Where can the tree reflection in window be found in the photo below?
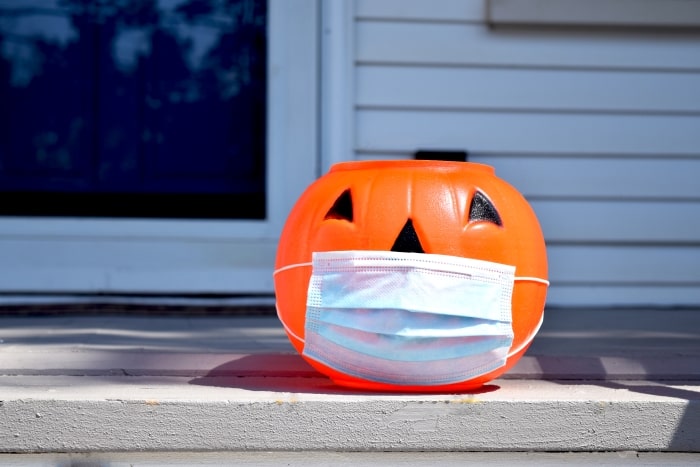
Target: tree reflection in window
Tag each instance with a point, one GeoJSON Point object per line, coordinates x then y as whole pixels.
{"type": "Point", "coordinates": [133, 95]}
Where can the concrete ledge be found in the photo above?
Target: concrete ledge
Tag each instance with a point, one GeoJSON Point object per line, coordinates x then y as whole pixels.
{"type": "Point", "coordinates": [60, 413]}
{"type": "Point", "coordinates": [618, 380]}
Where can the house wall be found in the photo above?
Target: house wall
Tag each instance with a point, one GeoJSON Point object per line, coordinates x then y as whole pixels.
{"type": "Point", "coordinates": [598, 127]}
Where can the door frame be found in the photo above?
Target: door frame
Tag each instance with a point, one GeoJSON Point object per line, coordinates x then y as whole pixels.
{"type": "Point", "coordinates": [145, 256]}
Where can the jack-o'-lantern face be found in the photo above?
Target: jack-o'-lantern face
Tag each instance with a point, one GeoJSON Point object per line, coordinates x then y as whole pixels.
{"type": "Point", "coordinates": [339, 225]}
{"type": "Point", "coordinates": [447, 208]}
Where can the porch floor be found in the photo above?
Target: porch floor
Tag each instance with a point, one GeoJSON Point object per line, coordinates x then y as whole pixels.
{"type": "Point", "coordinates": [593, 380]}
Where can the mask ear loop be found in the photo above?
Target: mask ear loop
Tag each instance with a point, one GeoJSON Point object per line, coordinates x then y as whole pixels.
{"type": "Point", "coordinates": [532, 335]}
{"type": "Point", "coordinates": [274, 273]}
{"type": "Point", "coordinates": [532, 279]}
{"type": "Point", "coordinates": [290, 266]}
{"type": "Point", "coordinates": [529, 339]}
{"type": "Point", "coordinates": [286, 328]}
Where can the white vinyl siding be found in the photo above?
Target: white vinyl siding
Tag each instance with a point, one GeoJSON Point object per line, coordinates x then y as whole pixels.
{"type": "Point", "coordinates": [598, 128]}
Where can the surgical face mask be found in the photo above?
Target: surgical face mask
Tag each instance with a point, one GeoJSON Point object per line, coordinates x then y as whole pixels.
{"type": "Point", "coordinates": [409, 318]}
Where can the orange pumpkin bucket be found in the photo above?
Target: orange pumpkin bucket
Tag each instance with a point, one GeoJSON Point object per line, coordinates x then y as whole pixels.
{"type": "Point", "coordinates": [411, 275]}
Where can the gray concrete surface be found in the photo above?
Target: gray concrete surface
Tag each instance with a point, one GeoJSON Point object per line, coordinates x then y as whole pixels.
{"type": "Point", "coordinates": [613, 380]}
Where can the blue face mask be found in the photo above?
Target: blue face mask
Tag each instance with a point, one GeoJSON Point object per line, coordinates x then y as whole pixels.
{"type": "Point", "coordinates": [408, 318]}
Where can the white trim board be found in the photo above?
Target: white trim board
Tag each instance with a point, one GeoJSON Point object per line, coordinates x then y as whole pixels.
{"type": "Point", "coordinates": [337, 82]}
{"type": "Point", "coordinates": [638, 13]}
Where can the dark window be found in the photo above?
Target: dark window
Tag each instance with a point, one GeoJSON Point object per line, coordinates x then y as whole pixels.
{"type": "Point", "coordinates": [133, 108]}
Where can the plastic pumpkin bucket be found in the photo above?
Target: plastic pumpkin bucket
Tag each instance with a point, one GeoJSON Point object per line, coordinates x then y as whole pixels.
{"type": "Point", "coordinates": [452, 208]}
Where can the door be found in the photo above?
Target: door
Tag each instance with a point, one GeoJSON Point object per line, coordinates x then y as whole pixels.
{"type": "Point", "coordinates": [152, 146]}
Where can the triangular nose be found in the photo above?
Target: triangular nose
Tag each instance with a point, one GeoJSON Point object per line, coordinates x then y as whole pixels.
{"type": "Point", "coordinates": [408, 241]}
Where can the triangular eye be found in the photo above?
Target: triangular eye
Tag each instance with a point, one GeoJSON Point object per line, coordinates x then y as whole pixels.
{"type": "Point", "coordinates": [342, 208]}
{"type": "Point", "coordinates": [482, 209]}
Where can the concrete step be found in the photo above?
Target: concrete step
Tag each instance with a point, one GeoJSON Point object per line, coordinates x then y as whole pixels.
{"type": "Point", "coordinates": [594, 380]}
{"type": "Point", "coordinates": [355, 459]}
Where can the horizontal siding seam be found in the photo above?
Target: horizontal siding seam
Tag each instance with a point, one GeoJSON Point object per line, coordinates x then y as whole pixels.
{"type": "Point", "coordinates": [608, 283]}
{"type": "Point", "coordinates": [616, 199]}
{"type": "Point", "coordinates": [369, 63]}
{"type": "Point", "coordinates": [366, 152]}
{"type": "Point", "coordinates": [529, 110]}
{"type": "Point", "coordinates": [622, 243]}
{"type": "Point", "coordinates": [360, 18]}
{"type": "Point", "coordinates": [530, 66]}
{"type": "Point", "coordinates": [399, 152]}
